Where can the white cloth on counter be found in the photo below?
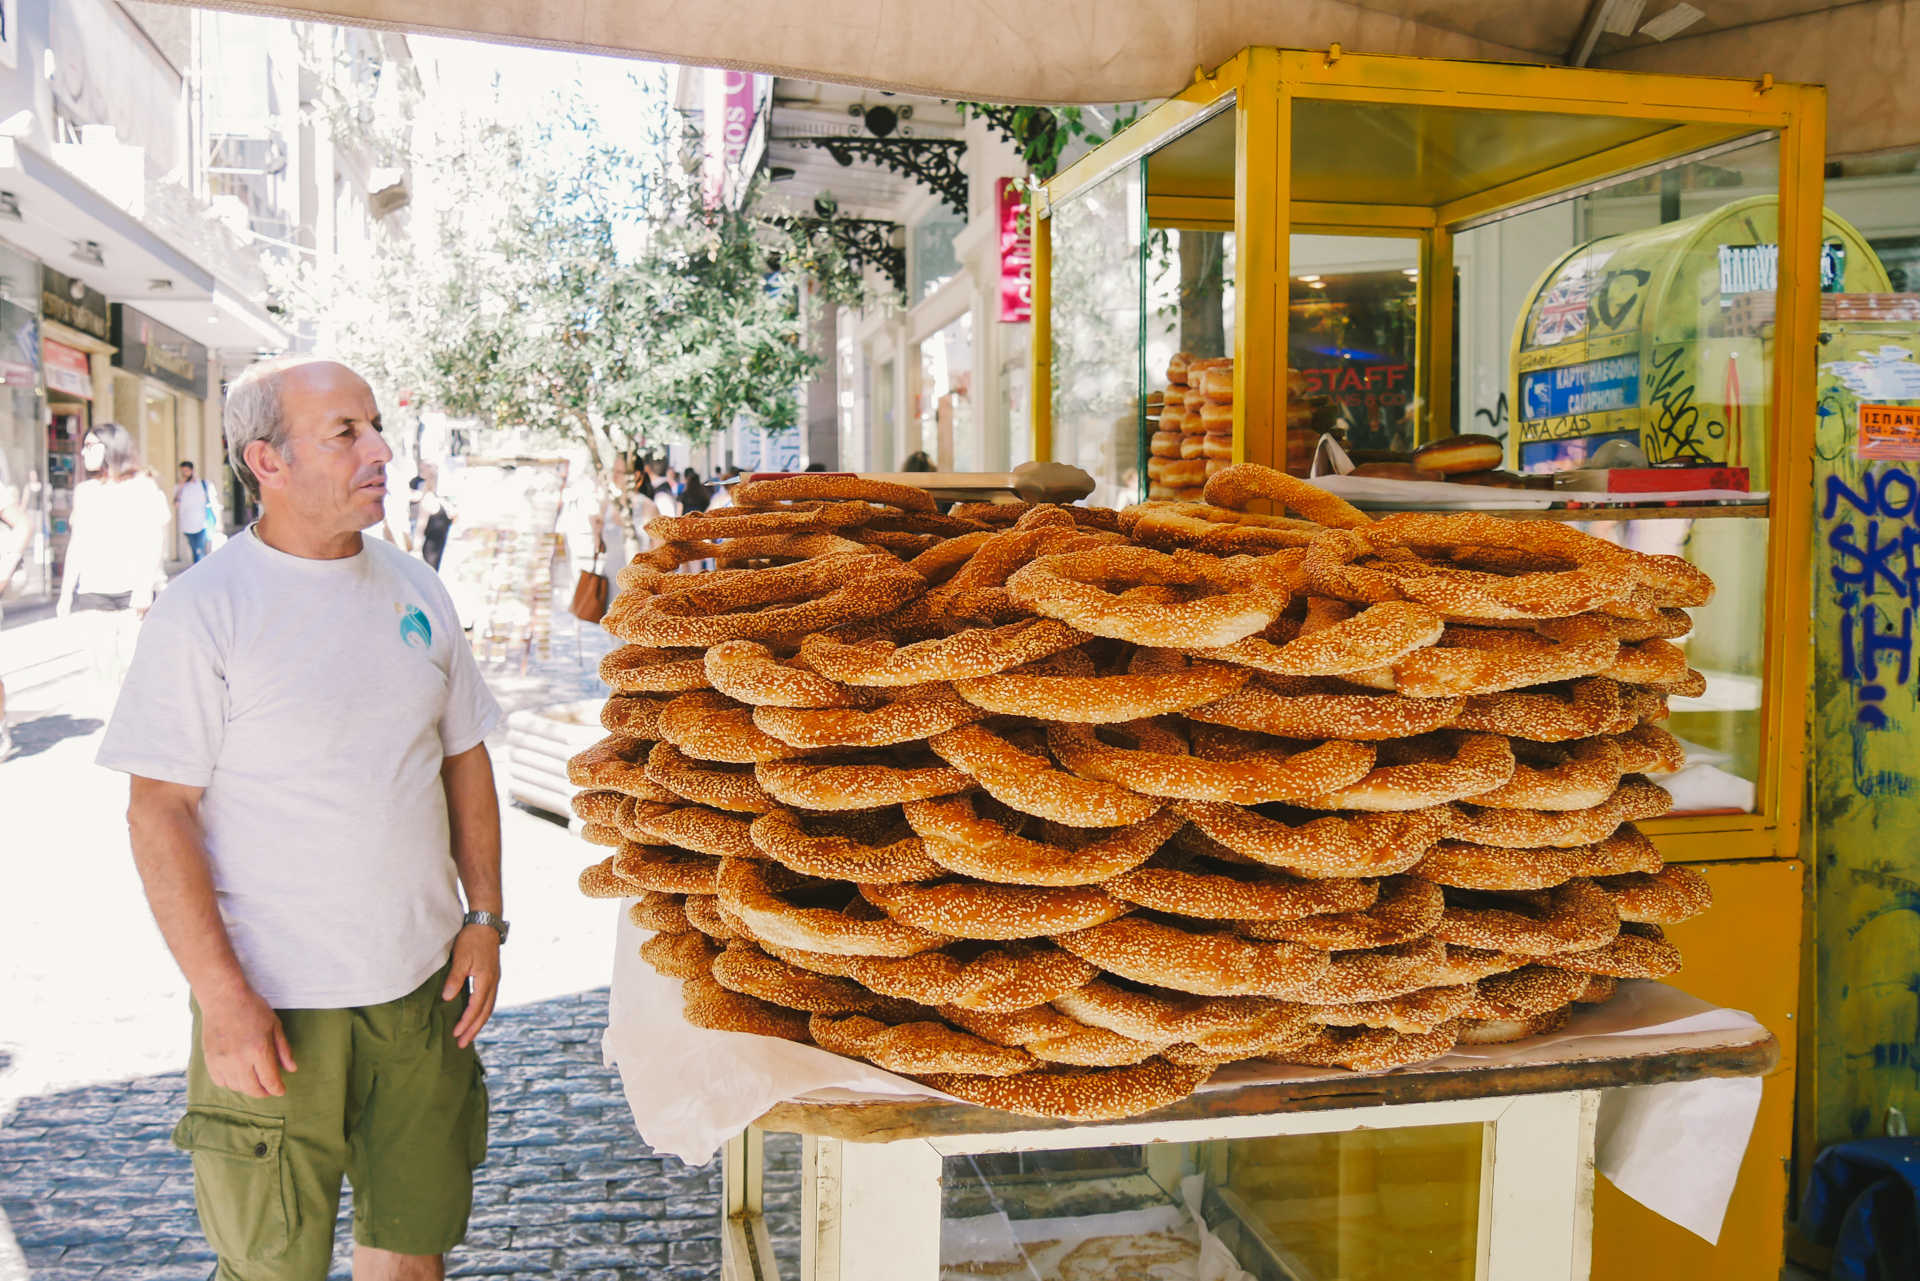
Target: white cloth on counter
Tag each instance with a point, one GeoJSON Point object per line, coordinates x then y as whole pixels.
{"type": "Point", "coordinates": [691, 1089]}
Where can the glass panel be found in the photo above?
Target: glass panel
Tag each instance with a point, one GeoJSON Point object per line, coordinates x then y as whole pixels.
{"type": "Point", "coordinates": [1368, 1205]}
{"type": "Point", "coordinates": [1352, 336]}
{"type": "Point", "coordinates": [33, 530]}
{"type": "Point", "coordinates": [1097, 240]}
{"type": "Point", "coordinates": [934, 262]}
{"type": "Point", "coordinates": [1629, 335]}
{"type": "Point", "coordinates": [1190, 314]}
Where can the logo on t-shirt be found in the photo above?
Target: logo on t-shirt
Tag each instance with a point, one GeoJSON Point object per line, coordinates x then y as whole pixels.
{"type": "Point", "coordinates": [415, 630]}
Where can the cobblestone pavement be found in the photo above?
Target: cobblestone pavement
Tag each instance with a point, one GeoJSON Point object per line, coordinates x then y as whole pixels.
{"type": "Point", "coordinates": [96, 1192]}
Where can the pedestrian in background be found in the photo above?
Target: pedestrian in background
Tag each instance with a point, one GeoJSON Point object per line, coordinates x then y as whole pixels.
{"type": "Point", "coordinates": [193, 510]}
{"type": "Point", "coordinates": [436, 518]}
{"type": "Point", "coordinates": [694, 495]}
{"type": "Point", "coordinates": [918, 461]}
{"type": "Point", "coordinates": [117, 548]}
{"type": "Point", "coordinates": [305, 727]}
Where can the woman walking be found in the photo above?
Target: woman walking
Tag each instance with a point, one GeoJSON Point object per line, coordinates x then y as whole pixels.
{"type": "Point", "coordinates": [117, 552]}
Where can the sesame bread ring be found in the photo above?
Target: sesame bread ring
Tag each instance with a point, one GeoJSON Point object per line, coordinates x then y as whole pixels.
{"type": "Point", "coordinates": [654, 571]}
{"type": "Point", "coordinates": [1166, 1017]}
{"type": "Point", "coordinates": [827, 591]}
{"type": "Point", "coordinates": [1575, 917]}
{"type": "Point", "coordinates": [1589, 707]}
{"type": "Point", "coordinates": [743, 967]}
{"type": "Point", "coordinates": [695, 828]}
{"type": "Point", "coordinates": [599, 880]}
{"type": "Point", "coordinates": [741, 522]}
{"type": "Point", "coordinates": [1229, 598]}
{"type": "Point", "coordinates": [636, 668]}
{"type": "Point", "coordinates": [1418, 773]}
{"type": "Point", "coordinates": [902, 544]}
{"type": "Point", "coordinates": [1600, 989]}
{"type": "Point", "coordinates": [1260, 895]}
{"type": "Point", "coordinates": [1336, 846]}
{"type": "Point", "coordinates": [1204, 962]}
{"type": "Point", "coordinates": [808, 487]}
{"type": "Point", "coordinates": [1158, 767]}
{"type": "Point", "coordinates": [1407, 909]}
{"type": "Point", "coordinates": [1650, 662]}
{"type": "Point", "coordinates": [1047, 1034]}
{"type": "Point", "coordinates": [723, 786]}
{"type": "Point", "coordinates": [599, 807]}
{"type": "Point", "coordinates": [1506, 1031]}
{"type": "Point", "coordinates": [1385, 973]}
{"type": "Point", "coordinates": [1365, 1049]}
{"type": "Point", "coordinates": [664, 869]}
{"type": "Point", "coordinates": [1069, 1094]}
{"type": "Point", "coordinates": [978, 652]}
{"type": "Point", "coordinates": [704, 1003]}
{"type": "Point", "coordinates": [1603, 572]}
{"type": "Point", "coordinates": [745, 888]}
{"type": "Point", "coordinates": [1633, 955]}
{"type": "Point", "coordinates": [1490, 660]}
{"type": "Point", "coordinates": [940, 562]}
{"type": "Point", "coordinates": [917, 1048]}
{"type": "Point", "coordinates": [874, 846]}
{"type": "Point", "coordinates": [706, 725]}
{"type": "Point", "coordinates": [967, 974]}
{"type": "Point", "coordinates": [634, 716]}
{"type": "Point", "coordinates": [909, 715]}
{"type": "Point", "coordinates": [1634, 799]}
{"type": "Point", "coordinates": [1558, 776]}
{"type": "Point", "coordinates": [1157, 681]}
{"type": "Point", "coordinates": [857, 782]}
{"type": "Point", "coordinates": [619, 764]}
{"type": "Point", "coordinates": [634, 818]}
{"type": "Point", "coordinates": [1523, 993]}
{"type": "Point", "coordinates": [1271, 705]}
{"type": "Point", "coordinates": [1648, 749]}
{"type": "Point", "coordinates": [661, 913]}
{"type": "Point", "coordinates": [975, 910]}
{"type": "Point", "coordinates": [1418, 1011]}
{"type": "Point", "coordinates": [748, 671]}
{"type": "Point", "coordinates": [1233, 1049]}
{"type": "Point", "coordinates": [1217, 531]}
{"type": "Point", "coordinates": [985, 842]}
{"type": "Point", "coordinates": [601, 834]}
{"type": "Point", "coordinates": [1029, 782]}
{"type": "Point", "coordinates": [1237, 486]}
{"type": "Point", "coordinates": [1491, 867]}
{"type": "Point", "coordinates": [681, 956]}
{"type": "Point", "coordinates": [1376, 637]}
{"type": "Point", "coordinates": [703, 914]}
{"type": "Point", "coordinates": [1665, 897]}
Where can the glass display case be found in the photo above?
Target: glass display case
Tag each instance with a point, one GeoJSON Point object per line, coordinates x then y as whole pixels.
{"type": "Point", "coordinates": [1598, 269]}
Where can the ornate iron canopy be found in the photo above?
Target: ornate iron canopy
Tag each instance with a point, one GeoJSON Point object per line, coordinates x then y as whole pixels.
{"type": "Point", "coordinates": [933, 161]}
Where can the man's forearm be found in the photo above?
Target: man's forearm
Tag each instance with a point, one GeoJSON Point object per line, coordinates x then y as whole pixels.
{"type": "Point", "coordinates": [170, 852]}
{"type": "Point", "coordinates": [473, 815]}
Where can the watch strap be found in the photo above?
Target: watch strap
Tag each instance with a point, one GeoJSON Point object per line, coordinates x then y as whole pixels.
{"type": "Point", "coordinates": [498, 922]}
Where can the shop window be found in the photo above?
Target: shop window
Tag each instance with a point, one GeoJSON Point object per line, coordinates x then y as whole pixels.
{"type": "Point", "coordinates": [945, 398]}
{"type": "Point", "coordinates": [1353, 325]}
{"type": "Point", "coordinates": [933, 260]}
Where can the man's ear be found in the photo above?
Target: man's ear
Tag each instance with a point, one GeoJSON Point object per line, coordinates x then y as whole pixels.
{"type": "Point", "coordinates": [269, 468]}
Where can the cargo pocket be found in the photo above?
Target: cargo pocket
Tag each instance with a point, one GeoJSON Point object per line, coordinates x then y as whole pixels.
{"type": "Point", "coordinates": [242, 1185]}
{"type": "Point", "coordinates": [476, 1116]}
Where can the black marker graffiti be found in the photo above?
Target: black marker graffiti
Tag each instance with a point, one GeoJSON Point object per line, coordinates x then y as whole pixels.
{"type": "Point", "coordinates": [1679, 429]}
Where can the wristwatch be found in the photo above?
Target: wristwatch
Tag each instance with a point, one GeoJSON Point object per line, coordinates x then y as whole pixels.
{"type": "Point", "coordinates": [486, 918]}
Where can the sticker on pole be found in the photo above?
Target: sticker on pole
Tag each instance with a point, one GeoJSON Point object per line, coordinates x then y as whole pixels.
{"type": "Point", "coordinates": [1890, 431]}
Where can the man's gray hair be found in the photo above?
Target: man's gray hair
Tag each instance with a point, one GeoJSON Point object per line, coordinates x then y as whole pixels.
{"type": "Point", "coordinates": [253, 413]}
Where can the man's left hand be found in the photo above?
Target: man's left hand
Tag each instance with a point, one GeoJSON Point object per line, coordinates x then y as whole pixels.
{"type": "Point", "coordinates": [476, 956]}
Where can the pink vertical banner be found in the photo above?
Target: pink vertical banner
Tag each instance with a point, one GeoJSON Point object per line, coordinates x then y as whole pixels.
{"type": "Point", "coordinates": [1016, 253]}
{"type": "Point", "coordinates": [727, 123]}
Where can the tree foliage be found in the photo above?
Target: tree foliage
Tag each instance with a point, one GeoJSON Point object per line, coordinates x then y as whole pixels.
{"type": "Point", "coordinates": [559, 282]}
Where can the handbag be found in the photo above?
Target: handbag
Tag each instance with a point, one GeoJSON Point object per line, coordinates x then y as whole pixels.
{"type": "Point", "coordinates": [590, 594]}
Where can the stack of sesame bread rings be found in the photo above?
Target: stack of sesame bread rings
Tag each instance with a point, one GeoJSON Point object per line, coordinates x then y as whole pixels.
{"type": "Point", "coordinates": [1058, 809]}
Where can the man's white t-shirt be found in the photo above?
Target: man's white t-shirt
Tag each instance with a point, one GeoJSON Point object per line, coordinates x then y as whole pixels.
{"type": "Point", "coordinates": [315, 701]}
{"type": "Point", "coordinates": [190, 501]}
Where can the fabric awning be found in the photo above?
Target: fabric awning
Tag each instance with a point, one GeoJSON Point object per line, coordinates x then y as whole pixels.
{"type": "Point", "coordinates": [1102, 51]}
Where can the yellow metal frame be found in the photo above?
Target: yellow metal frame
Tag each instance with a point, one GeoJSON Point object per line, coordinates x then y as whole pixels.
{"type": "Point", "coordinates": [1264, 84]}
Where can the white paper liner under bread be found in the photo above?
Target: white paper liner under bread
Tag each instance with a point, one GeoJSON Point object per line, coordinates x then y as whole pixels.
{"type": "Point", "coordinates": [1675, 1148]}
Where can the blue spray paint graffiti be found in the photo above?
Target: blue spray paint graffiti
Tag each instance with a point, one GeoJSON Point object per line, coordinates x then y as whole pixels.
{"type": "Point", "coordinates": [1876, 638]}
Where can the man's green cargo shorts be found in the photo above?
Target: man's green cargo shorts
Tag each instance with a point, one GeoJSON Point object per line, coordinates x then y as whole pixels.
{"type": "Point", "coordinates": [382, 1096]}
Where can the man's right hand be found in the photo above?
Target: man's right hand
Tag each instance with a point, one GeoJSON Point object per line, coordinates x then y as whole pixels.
{"type": "Point", "coordinates": [245, 1046]}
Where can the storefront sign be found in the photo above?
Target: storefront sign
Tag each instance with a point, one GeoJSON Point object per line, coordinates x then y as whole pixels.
{"type": "Point", "coordinates": [1746, 269]}
{"type": "Point", "coordinates": [1016, 253]}
{"type": "Point", "coordinates": [1597, 386]}
{"type": "Point", "coordinates": [166, 355]}
{"type": "Point", "coordinates": [727, 124]}
{"type": "Point", "coordinates": [67, 370]}
{"type": "Point", "coordinates": [73, 303]}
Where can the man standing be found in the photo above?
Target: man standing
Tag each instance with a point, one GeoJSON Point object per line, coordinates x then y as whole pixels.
{"type": "Point", "coordinates": [192, 502]}
{"type": "Point", "coordinates": [304, 724]}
